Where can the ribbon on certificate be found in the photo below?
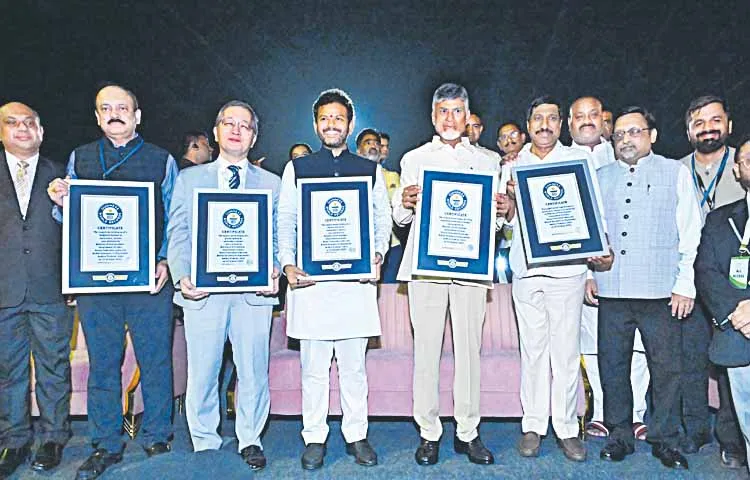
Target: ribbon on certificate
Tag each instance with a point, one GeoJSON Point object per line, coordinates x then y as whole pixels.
{"type": "Point", "coordinates": [336, 266]}
{"type": "Point", "coordinates": [109, 278]}
{"type": "Point", "coordinates": [452, 263]}
{"type": "Point", "coordinates": [565, 247]}
{"type": "Point", "coordinates": [233, 278]}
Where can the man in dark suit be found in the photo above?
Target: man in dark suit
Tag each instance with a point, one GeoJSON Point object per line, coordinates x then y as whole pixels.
{"type": "Point", "coordinates": [721, 275]}
{"type": "Point", "coordinates": [33, 316]}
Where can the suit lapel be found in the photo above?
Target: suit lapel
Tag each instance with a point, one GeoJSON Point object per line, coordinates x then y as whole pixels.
{"type": "Point", "coordinates": [10, 186]}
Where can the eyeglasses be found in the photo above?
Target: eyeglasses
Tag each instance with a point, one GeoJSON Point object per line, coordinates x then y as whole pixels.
{"type": "Point", "coordinates": [29, 122]}
{"type": "Point", "coordinates": [634, 132]}
{"type": "Point", "coordinates": [231, 123]}
{"type": "Point", "coordinates": [514, 135]}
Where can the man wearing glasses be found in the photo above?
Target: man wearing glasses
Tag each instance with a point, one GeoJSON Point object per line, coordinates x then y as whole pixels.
{"type": "Point", "coordinates": [209, 319]}
{"type": "Point", "coordinates": [510, 141]}
{"type": "Point", "coordinates": [654, 224]}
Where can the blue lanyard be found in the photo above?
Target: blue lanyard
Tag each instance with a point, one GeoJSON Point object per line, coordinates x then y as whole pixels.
{"type": "Point", "coordinates": [714, 183]}
{"type": "Point", "coordinates": [106, 171]}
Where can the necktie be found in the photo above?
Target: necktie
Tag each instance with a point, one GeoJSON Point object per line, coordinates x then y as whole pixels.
{"type": "Point", "coordinates": [234, 180]}
{"type": "Point", "coordinates": [22, 185]}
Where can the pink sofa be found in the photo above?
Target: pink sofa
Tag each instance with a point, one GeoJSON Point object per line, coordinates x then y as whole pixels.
{"type": "Point", "coordinates": [131, 387]}
{"type": "Point", "coordinates": [389, 368]}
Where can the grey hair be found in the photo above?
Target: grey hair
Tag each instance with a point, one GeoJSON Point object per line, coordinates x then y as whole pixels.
{"type": "Point", "coordinates": [450, 91]}
{"type": "Point", "coordinates": [238, 103]}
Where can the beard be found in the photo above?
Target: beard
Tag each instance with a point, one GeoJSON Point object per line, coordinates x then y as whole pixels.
{"type": "Point", "coordinates": [333, 142]}
{"type": "Point", "coordinates": [449, 134]}
{"type": "Point", "coordinates": [710, 145]}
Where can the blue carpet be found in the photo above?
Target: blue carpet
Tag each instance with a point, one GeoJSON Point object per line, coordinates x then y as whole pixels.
{"type": "Point", "coordinates": [395, 441]}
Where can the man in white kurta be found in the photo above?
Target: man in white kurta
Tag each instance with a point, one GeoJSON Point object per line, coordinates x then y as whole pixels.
{"type": "Point", "coordinates": [431, 298]}
{"type": "Point", "coordinates": [548, 302]}
{"type": "Point", "coordinates": [332, 317]}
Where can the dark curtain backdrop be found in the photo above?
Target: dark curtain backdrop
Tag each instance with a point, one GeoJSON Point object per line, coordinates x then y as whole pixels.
{"type": "Point", "coordinates": [184, 59]}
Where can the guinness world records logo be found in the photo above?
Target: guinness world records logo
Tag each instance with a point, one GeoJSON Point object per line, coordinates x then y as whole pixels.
{"type": "Point", "coordinates": [553, 191]}
{"type": "Point", "coordinates": [233, 218]}
{"type": "Point", "coordinates": [109, 213]}
{"type": "Point", "coordinates": [335, 207]}
{"type": "Point", "coordinates": [456, 200]}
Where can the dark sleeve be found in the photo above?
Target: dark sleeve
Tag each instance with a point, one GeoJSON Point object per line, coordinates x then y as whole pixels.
{"type": "Point", "coordinates": [712, 271]}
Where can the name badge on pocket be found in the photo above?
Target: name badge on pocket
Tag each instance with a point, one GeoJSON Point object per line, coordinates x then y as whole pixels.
{"type": "Point", "coordinates": [738, 269]}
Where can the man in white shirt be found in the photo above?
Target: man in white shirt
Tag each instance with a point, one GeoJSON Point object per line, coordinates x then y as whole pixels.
{"type": "Point", "coordinates": [431, 298]}
{"type": "Point", "coordinates": [332, 317]}
{"type": "Point", "coordinates": [209, 319]}
{"type": "Point", "coordinates": [586, 128]}
{"type": "Point", "coordinates": [548, 302]}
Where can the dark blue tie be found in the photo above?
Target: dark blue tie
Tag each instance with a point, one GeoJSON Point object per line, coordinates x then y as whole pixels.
{"type": "Point", "coordinates": [234, 181]}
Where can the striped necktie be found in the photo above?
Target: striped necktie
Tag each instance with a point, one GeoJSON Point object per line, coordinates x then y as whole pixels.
{"type": "Point", "coordinates": [234, 180]}
{"type": "Point", "coordinates": [22, 185]}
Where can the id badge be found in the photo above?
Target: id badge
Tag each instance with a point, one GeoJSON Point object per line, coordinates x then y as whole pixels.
{"type": "Point", "coordinates": [738, 269]}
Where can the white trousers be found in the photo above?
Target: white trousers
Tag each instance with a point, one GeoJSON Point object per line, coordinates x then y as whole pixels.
{"type": "Point", "coordinates": [549, 326]}
{"type": "Point", "coordinates": [206, 330]}
{"type": "Point", "coordinates": [316, 358]}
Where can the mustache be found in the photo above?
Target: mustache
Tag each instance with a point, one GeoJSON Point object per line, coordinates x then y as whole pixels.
{"type": "Point", "coordinates": [709, 132]}
{"type": "Point", "coordinates": [113, 120]}
{"type": "Point", "coordinates": [332, 130]}
{"type": "Point", "coordinates": [588, 125]}
{"type": "Point", "coordinates": [543, 130]}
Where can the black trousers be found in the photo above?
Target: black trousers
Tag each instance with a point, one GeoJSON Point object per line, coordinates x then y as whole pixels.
{"type": "Point", "coordinates": [44, 330]}
{"type": "Point", "coordinates": [696, 337]}
{"type": "Point", "coordinates": [661, 334]}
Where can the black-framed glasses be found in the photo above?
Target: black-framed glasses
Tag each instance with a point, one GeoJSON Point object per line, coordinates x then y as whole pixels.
{"type": "Point", "coordinates": [634, 132]}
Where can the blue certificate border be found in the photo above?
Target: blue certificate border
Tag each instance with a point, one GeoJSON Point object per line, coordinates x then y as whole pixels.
{"type": "Point", "coordinates": [361, 268]}
{"type": "Point", "coordinates": [82, 282]}
{"type": "Point", "coordinates": [481, 268]}
{"type": "Point", "coordinates": [537, 253]}
{"type": "Point", "coordinates": [259, 280]}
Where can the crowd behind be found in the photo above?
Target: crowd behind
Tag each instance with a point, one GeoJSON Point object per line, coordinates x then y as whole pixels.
{"type": "Point", "coordinates": [646, 324]}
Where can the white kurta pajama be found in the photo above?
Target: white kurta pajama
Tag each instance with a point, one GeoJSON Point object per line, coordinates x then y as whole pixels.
{"type": "Point", "coordinates": [332, 318]}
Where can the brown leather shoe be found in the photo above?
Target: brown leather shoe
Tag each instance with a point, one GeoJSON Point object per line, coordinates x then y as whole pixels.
{"type": "Point", "coordinates": [573, 448]}
{"type": "Point", "coordinates": [529, 444]}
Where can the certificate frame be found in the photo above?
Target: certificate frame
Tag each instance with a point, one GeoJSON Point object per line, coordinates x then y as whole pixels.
{"type": "Point", "coordinates": [336, 268]}
{"type": "Point", "coordinates": [480, 268]}
{"type": "Point", "coordinates": [564, 250]}
{"type": "Point", "coordinates": [234, 280]}
{"type": "Point", "coordinates": [76, 278]}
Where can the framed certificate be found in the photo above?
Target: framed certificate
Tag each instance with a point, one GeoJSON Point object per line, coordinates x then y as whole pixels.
{"type": "Point", "coordinates": [108, 237]}
{"type": "Point", "coordinates": [558, 212]}
{"type": "Point", "coordinates": [455, 224]}
{"type": "Point", "coordinates": [334, 228]}
{"type": "Point", "coordinates": [232, 240]}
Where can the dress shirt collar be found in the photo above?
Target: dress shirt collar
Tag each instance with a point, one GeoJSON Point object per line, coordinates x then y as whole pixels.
{"type": "Point", "coordinates": [641, 161]}
{"type": "Point", "coordinates": [223, 163]}
{"type": "Point", "coordinates": [527, 150]}
{"type": "Point", "coordinates": [438, 143]}
{"type": "Point", "coordinates": [602, 144]}
{"type": "Point", "coordinates": [13, 162]}
{"type": "Point", "coordinates": [131, 143]}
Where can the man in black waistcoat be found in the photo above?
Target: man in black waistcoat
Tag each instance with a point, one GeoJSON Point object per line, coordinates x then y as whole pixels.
{"type": "Point", "coordinates": [122, 155]}
{"type": "Point", "coordinates": [33, 315]}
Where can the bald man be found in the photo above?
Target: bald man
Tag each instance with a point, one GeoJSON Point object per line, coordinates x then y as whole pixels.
{"type": "Point", "coordinates": [33, 315]}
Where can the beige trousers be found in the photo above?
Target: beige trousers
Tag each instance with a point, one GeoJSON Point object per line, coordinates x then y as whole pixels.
{"type": "Point", "coordinates": [428, 304]}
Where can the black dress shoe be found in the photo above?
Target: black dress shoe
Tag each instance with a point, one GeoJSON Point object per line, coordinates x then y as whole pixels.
{"type": "Point", "coordinates": [428, 452]}
{"type": "Point", "coordinates": [615, 451]}
{"type": "Point", "coordinates": [692, 443]}
{"type": "Point", "coordinates": [363, 453]}
{"type": "Point", "coordinates": [670, 457]}
{"type": "Point", "coordinates": [312, 459]}
{"type": "Point", "coordinates": [11, 458]}
{"type": "Point", "coordinates": [157, 448]}
{"type": "Point", "coordinates": [48, 456]}
{"type": "Point", "coordinates": [733, 458]}
{"type": "Point", "coordinates": [97, 462]}
{"type": "Point", "coordinates": [253, 456]}
{"type": "Point", "coordinates": [475, 449]}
